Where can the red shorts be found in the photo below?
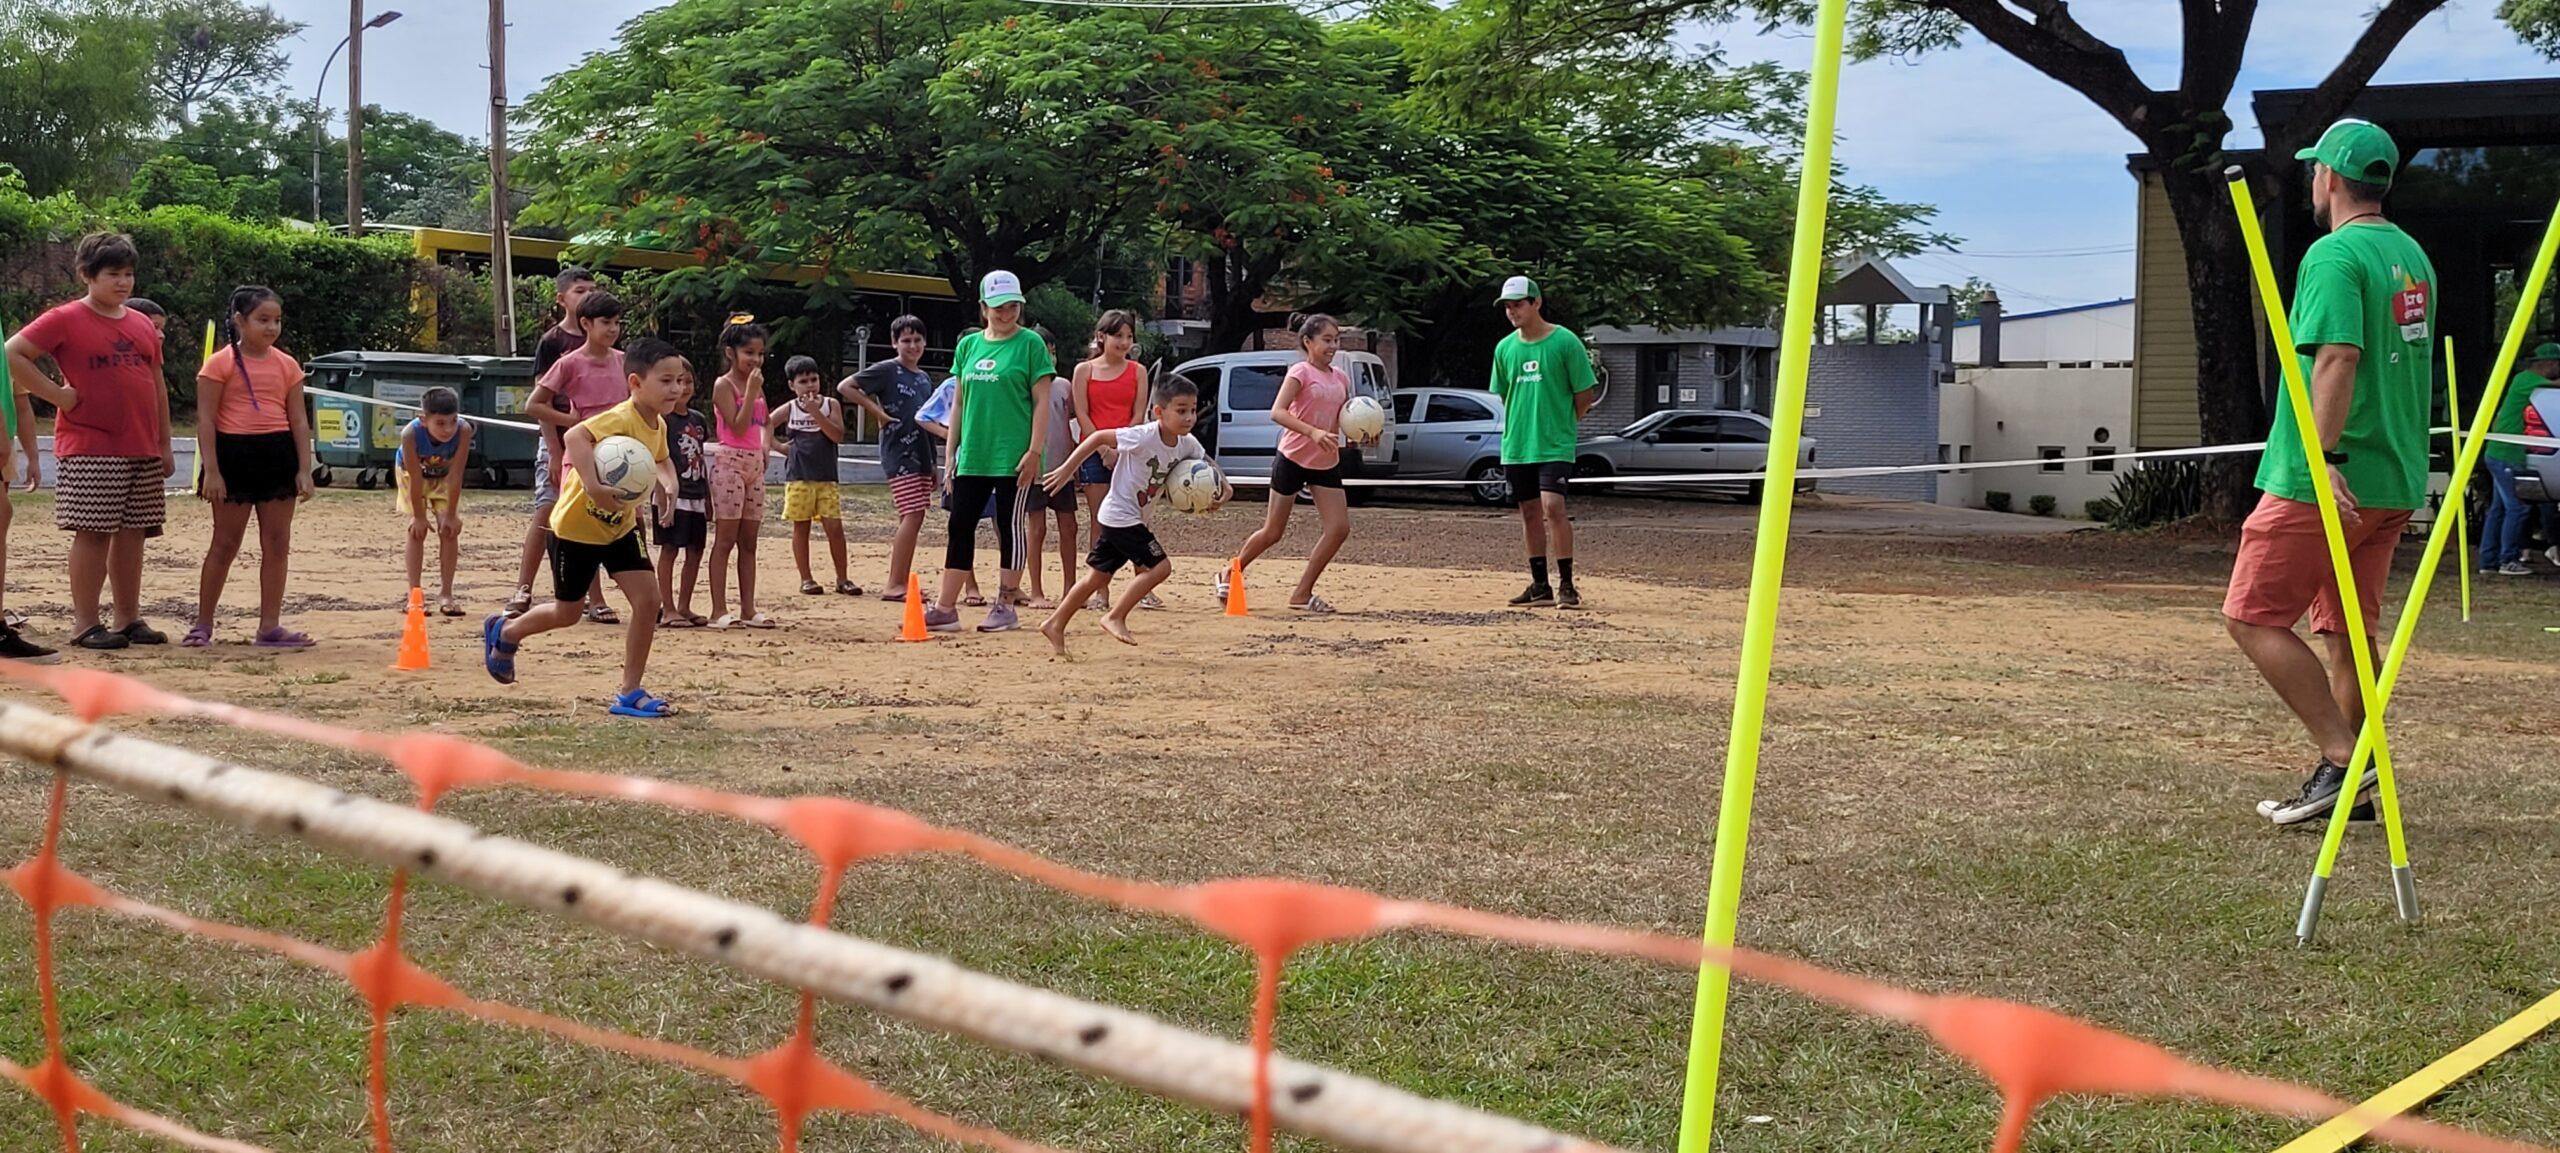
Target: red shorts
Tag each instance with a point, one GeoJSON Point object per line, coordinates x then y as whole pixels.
{"type": "Point", "coordinates": [2284, 568]}
{"type": "Point", "coordinates": [912, 493]}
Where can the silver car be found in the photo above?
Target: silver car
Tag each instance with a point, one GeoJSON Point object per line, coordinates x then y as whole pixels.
{"type": "Point", "coordinates": [1451, 434]}
{"type": "Point", "coordinates": [1688, 440]}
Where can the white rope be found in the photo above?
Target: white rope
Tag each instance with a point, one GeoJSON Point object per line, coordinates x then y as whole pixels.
{"type": "Point", "coordinates": [1842, 473]}
{"type": "Point", "coordinates": [1346, 1110]}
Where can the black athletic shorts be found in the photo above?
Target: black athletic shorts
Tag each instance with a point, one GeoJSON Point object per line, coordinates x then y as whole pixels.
{"type": "Point", "coordinates": [1135, 544]}
{"type": "Point", "coordinates": [1528, 480]}
{"type": "Point", "coordinates": [688, 529]}
{"type": "Point", "coordinates": [574, 564]}
{"type": "Point", "coordinates": [258, 467]}
{"type": "Point", "coordinates": [1288, 477]}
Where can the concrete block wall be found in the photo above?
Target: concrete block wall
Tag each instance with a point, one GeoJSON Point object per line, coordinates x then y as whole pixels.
{"type": "Point", "coordinates": [1879, 405]}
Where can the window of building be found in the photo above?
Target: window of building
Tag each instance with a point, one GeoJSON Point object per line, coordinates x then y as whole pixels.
{"type": "Point", "coordinates": [1964, 454]}
{"type": "Point", "coordinates": [2052, 454]}
{"type": "Point", "coordinates": [1944, 452]}
{"type": "Point", "coordinates": [2102, 464]}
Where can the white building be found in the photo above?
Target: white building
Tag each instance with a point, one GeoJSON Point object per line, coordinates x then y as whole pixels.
{"type": "Point", "coordinates": [2039, 385]}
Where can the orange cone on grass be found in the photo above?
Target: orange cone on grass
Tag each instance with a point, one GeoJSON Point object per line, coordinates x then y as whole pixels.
{"type": "Point", "coordinates": [1235, 588]}
{"type": "Point", "coordinates": [413, 635]}
{"type": "Point", "coordinates": [914, 629]}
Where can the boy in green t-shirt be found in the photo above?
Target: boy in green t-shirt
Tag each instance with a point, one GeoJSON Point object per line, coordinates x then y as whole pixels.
{"type": "Point", "coordinates": [2364, 324]}
{"type": "Point", "coordinates": [2502, 530]}
{"type": "Point", "coordinates": [1543, 375]}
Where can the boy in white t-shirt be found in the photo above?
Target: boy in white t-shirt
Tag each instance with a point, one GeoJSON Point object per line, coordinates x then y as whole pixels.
{"type": "Point", "coordinates": [1146, 455]}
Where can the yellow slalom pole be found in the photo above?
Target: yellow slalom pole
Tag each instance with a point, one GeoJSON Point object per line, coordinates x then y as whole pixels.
{"type": "Point", "coordinates": [2464, 462]}
{"type": "Point", "coordinates": [2350, 1127]}
{"type": "Point", "coordinates": [1768, 572]}
{"type": "Point", "coordinates": [2298, 394]}
{"type": "Point", "coordinates": [2454, 496]}
{"type": "Point", "coordinates": [195, 479]}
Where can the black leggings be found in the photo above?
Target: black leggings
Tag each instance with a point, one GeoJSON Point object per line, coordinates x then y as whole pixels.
{"type": "Point", "coordinates": [973, 497]}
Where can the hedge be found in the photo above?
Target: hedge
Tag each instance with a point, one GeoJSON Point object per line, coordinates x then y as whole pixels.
{"type": "Point", "coordinates": [339, 293]}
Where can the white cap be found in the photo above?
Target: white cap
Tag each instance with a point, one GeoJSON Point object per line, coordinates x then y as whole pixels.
{"type": "Point", "coordinates": [1000, 287]}
{"type": "Point", "coordinates": [1519, 288]}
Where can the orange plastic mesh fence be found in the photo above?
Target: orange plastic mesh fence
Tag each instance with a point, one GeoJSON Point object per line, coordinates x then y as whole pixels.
{"type": "Point", "coordinates": [2030, 1055]}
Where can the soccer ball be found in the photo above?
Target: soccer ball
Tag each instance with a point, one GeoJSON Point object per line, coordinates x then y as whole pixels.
{"type": "Point", "coordinates": [626, 467]}
{"type": "Point", "coordinates": [1193, 486]}
{"type": "Point", "coordinates": [1363, 419]}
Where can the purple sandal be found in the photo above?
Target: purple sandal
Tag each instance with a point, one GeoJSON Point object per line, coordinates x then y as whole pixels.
{"type": "Point", "coordinates": [200, 636]}
{"type": "Point", "coordinates": [281, 637]}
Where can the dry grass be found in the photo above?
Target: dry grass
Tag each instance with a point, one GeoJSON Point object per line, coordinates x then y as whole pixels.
{"type": "Point", "coordinates": [2016, 767]}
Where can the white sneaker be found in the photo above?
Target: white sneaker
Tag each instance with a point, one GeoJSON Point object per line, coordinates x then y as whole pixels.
{"type": "Point", "coordinates": [2552, 554]}
{"type": "Point", "coordinates": [1222, 586]}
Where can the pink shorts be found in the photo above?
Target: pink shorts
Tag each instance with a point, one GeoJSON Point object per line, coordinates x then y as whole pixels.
{"type": "Point", "coordinates": [912, 493]}
{"type": "Point", "coordinates": [737, 484]}
{"type": "Point", "coordinates": [2283, 568]}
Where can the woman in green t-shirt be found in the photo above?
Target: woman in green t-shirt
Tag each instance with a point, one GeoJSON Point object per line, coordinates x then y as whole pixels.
{"type": "Point", "coordinates": [997, 422]}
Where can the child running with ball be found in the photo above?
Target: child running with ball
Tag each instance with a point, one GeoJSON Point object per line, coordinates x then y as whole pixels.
{"type": "Point", "coordinates": [1309, 410]}
{"type": "Point", "coordinates": [594, 529]}
{"type": "Point", "coordinates": [1147, 454]}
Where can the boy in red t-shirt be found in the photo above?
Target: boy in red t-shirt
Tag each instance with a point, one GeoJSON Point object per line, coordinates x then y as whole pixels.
{"type": "Point", "coordinates": [111, 438]}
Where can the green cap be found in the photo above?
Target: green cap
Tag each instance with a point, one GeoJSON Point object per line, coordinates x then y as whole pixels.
{"type": "Point", "coordinates": [1520, 288]}
{"type": "Point", "coordinates": [1000, 288]}
{"type": "Point", "coordinates": [2545, 351]}
{"type": "Point", "coordinates": [2357, 150]}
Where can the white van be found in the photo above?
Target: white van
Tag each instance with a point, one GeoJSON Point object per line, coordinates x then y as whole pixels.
{"type": "Point", "coordinates": [1236, 391]}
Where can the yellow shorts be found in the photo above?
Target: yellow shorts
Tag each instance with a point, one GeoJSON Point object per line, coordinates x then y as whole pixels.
{"type": "Point", "coordinates": [437, 497]}
{"type": "Point", "coordinates": [812, 500]}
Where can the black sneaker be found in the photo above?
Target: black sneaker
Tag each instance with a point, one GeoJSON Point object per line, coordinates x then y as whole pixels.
{"type": "Point", "coordinates": [143, 634]}
{"type": "Point", "coordinates": [98, 639]}
{"type": "Point", "coordinates": [1536, 594]}
{"type": "Point", "coordinates": [2319, 795]}
{"type": "Point", "coordinates": [1567, 597]}
{"type": "Point", "coordinates": [18, 648]}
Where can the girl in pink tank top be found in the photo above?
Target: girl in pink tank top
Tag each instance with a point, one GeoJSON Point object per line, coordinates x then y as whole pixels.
{"type": "Point", "coordinates": [737, 459]}
{"type": "Point", "coordinates": [1309, 413]}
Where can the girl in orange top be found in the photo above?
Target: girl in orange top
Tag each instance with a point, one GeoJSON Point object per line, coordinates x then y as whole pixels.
{"type": "Point", "coordinates": [1106, 389]}
{"type": "Point", "coordinates": [254, 449]}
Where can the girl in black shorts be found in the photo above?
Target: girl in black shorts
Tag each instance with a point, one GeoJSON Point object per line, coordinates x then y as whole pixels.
{"type": "Point", "coordinates": [1309, 411]}
{"type": "Point", "coordinates": [254, 453]}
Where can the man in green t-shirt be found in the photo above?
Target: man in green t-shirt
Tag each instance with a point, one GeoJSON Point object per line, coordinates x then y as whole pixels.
{"type": "Point", "coordinates": [2364, 324]}
{"type": "Point", "coordinates": [2502, 530]}
{"type": "Point", "coordinates": [1543, 375]}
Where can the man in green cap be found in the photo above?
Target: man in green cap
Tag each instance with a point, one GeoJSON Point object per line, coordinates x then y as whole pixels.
{"type": "Point", "coordinates": [2364, 324]}
{"type": "Point", "coordinates": [2502, 531]}
{"type": "Point", "coordinates": [1543, 375]}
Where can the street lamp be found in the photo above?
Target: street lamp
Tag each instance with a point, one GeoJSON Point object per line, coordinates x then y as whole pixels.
{"type": "Point", "coordinates": [319, 120]}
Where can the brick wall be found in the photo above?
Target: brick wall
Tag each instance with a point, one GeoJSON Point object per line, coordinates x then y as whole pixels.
{"type": "Point", "coordinates": [1879, 405]}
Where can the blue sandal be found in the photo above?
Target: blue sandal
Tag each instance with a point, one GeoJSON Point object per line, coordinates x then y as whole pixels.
{"type": "Point", "coordinates": [638, 703]}
{"type": "Point", "coordinates": [496, 654]}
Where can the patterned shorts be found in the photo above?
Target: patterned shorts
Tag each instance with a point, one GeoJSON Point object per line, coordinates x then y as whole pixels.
{"type": "Point", "coordinates": [110, 494]}
{"type": "Point", "coordinates": [812, 500]}
{"type": "Point", "coordinates": [737, 485]}
{"type": "Point", "coordinates": [912, 493]}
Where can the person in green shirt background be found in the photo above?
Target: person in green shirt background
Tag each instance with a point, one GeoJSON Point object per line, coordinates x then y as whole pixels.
{"type": "Point", "coordinates": [2363, 323]}
{"type": "Point", "coordinates": [1543, 375]}
{"type": "Point", "coordinates": [17, 430]}
{"type": "Point", "coordinates": [2502, 530]}
{"type": "Point", "coordinates": [998, 419]}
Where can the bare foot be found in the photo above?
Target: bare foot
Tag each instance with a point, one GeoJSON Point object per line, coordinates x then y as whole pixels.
{"type": "Point", "coordinates": [1119, 630]}
{"type": "Point", "coordinates": [1056, 631]}
{"type": "Point", "coordinates": [1042, 603]}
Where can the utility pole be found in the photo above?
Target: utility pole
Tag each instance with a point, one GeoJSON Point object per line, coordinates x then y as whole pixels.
{"type": "Point", "coordinates": [355, 117]}
{"type": "Point", "coordinates": [502, 255]}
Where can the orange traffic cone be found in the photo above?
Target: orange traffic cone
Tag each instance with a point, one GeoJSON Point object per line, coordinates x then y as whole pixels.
{"type": "Point", "coordinates": [413, 635]}
{"type": "Point", "coordinates": [1235, 588]}
{"type": "Point", "coordinates": [914, 629]}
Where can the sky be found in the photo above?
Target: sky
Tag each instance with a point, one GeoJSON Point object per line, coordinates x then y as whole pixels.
{"type": "Point", "coordinates": [2025, 172]}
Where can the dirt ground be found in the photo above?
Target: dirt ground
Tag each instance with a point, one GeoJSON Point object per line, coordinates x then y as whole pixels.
{"type": "Point", "coordinates": [2015, 763]}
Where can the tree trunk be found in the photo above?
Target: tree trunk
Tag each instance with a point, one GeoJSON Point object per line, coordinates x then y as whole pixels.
{"type": "Point", "coordinates": [2230, 393]}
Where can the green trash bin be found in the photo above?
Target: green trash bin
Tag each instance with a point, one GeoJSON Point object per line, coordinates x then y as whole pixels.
{"type": "Point", "coordinates": [364, 439]}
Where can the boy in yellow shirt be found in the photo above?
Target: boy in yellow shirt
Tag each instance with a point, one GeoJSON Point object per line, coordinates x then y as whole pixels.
{"type": "Point", "coordinates": [592, 530]}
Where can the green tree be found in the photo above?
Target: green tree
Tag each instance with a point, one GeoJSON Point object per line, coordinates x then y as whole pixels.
{"type": "Point", "coordinates": [2180, 129]}
{"type": "Point", "coordinates": [414, 171]}
{"type": "Point", "coordinates": [172, 179]}
{"type": "Point", "coordinates": [205, 49]}
{"type": "Point", "coordinates": [70, 109]}
{"type": "Point", "coordinates": [1968, 297]}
